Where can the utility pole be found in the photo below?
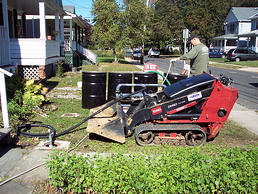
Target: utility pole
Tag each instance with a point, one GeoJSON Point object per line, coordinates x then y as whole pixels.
{"type": "Point", "coordinates": [144, 29]}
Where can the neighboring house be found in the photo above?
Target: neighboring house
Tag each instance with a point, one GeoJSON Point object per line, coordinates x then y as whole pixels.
{"type": "Point", "coordinates": [75, 39]}
{"type": "Point", "coordinates": [237, 24]}
{"type": "Point", "coordinates": [252, 37]}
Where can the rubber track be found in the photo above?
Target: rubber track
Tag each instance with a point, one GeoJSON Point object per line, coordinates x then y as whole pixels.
{"type": "Point", "coordinates": [166, 127]}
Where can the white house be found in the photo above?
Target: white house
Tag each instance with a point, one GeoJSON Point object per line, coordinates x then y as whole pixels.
{"type": "Point", "coordinates": [24, 39]}
{"type": "Point", "coordinates": [236, 25]}
{"type": "Point", "coordinates": [252, 37]}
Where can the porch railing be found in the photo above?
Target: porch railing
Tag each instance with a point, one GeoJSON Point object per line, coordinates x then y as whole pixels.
{"type": "Point", "coordinates": [4, 52]}
{"type": "Point", "coordinates": [86, 52]}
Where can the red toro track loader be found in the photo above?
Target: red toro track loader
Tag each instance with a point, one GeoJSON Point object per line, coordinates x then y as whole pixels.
{"type": "Point", "coordinates": [187, 112]}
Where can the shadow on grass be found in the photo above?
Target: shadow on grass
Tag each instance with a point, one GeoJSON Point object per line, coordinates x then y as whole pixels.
{"type": "Point", "coordinates": [50, 84]}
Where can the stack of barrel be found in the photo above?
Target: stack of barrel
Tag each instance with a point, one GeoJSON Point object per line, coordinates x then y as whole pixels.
{"type": "Point", "coordinates": [94, 85]}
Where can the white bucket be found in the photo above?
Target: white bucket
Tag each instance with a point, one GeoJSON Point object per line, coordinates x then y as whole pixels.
{"type": "Point", "coordinates": [79, 84]}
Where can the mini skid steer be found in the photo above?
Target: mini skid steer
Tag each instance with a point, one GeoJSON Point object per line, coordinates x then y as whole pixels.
{"type": "Point", "coordinates": [187, 112]}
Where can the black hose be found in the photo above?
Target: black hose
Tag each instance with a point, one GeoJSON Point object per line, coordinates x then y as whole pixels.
{"type": "Point", "coordinates": [46, 135]}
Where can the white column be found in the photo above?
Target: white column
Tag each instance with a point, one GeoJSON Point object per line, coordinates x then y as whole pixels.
{"type": "Point", "coordinates": [225, 45]}
{"type": "Point", "coordinates": [7, 41]}
{"type": "Point", "coordinates": [256, 44]}
{"type": "Point", "coordinates": [247, 42]}
{"type": "Point", "coordinates": [62, 34]}
{"type": "Point", "coordinates": [42, 19]}
{"type": "Point", "coordinates": [62, 27]}
{"type": "Point", "coordinates": [57, 31]}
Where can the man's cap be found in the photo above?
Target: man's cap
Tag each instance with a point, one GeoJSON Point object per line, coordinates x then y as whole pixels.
{"type": "Point", "coordinates": [192, 37]}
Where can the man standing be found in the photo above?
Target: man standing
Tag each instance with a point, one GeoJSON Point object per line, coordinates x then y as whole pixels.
{"type": "Point", "coordinates": [199, 56]}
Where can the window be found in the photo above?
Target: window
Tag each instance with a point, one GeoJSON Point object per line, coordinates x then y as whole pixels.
{"type": "Point", "coordinates": [257, 24]}
{"type": "Point", "coordinates": [1, 15]}
{"type": "Point", "coordinates": [231, 28]}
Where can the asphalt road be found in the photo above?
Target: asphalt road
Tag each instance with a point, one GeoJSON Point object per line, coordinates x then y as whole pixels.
{"type": "Point", "coordinates": [245, 82]}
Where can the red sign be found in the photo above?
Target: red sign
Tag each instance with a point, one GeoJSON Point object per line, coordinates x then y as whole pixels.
{"type": "Point", "coordinates": [156, 110]}
{"type": "Point", "coordinates": [149, 67]}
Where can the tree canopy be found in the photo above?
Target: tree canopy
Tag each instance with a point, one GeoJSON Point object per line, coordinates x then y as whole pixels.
{"type": "Point", "coordinates": [161, 21]}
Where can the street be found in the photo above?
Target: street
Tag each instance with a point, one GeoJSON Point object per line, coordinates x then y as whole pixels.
{"type": "Point", "coordinates": [245, 82]}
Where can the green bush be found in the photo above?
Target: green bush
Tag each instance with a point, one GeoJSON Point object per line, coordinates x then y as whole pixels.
{"type": "Point", "coordinates": [179, 170]}
{"type": "Point", "coordinates": [59, 69]}
{"type": "Point", "coordinates": [176, 52]}
{"type": "Point", "coordinates": [21, 106]}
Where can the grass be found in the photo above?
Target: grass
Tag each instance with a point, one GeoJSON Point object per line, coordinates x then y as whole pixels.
{"type": "Point", "coordinates": [231, 134]}
{"type": "Point", "coordinates": [220, 62]}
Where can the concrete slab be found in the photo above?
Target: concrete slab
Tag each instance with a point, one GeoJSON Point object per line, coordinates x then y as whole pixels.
{"type": "Point", "coordinates": [58, 145]}
{"type": "Point", "coordinates": [245, 117]}
{"type": "Point", "coordinates": [17, 187]}
{"type": "Point", "coordinates": [8, 158]}
{"type": "Point", "coordinates": [29, 160]}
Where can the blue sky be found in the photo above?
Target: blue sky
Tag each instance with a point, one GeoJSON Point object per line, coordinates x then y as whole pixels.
{"type": "Point", "coordinates": [82, 7]}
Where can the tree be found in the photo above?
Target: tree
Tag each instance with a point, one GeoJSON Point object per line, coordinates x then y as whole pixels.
{"type": "Point", "coordinates": [107, 30]}
{"type": "Point", "coordinates": [135, 14]}
{"type": "Point", "coordinates": [87, 30]}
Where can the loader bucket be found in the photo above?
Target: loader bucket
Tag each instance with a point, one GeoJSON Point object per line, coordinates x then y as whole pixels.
{"type": "Point", "coordinates": [108, 123]}
{"type": "Point", "coordinates": [110, 128]}
{"type": "Point", "coordinates": [108, 112]}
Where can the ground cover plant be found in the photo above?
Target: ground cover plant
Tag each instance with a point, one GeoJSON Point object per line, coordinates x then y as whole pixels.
{"type": "Point", "coordinates": [176, 170]}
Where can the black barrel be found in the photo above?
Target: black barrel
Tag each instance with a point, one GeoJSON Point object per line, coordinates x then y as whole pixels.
{"type": "Point", "coordinates": [146, 78]}
{"type": "Point", "coordinates": [173, 78]}
{"type": "Point", "coordinates": [118, 78]}
{"type": "Point", "coordinates": [93, 89]}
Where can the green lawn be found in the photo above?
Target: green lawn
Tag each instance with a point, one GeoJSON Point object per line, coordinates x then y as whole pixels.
{"type": "Point", "coordinates": [225, 62]}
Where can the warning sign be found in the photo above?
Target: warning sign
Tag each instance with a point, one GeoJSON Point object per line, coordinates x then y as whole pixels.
{"type": "Point", "coordinates": [149, 67]}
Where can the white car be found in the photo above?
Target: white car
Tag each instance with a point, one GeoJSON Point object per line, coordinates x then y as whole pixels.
{"type": "Point", "coordinates": [153, 52]}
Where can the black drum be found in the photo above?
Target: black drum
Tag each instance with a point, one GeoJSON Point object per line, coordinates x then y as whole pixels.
{"type": "Point", "coordinates": [146, 78]}
{"type": "Point", "coordinates": [114, 79]}
{"type": "Point", "coordinates": [93, 89]}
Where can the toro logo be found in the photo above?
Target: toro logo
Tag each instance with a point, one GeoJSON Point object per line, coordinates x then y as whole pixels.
{"type": "Point", "coordinates": [194, 96]}
{"type": "Point", "coordinates": [156, 110]}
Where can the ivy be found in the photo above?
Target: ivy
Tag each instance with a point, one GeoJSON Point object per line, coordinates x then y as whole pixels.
{"type": "Point", "coordinates": [179, 170]}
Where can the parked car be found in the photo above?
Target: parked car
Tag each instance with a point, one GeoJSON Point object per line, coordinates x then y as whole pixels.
{"type": "Point", "coordinates": [153, 52]}
{"type": "Point", "coordinates": [215, 53]}
{"type": "Point", "coordinates": [137, 54]}
{"type": "Point", "coordinates": [241, 54]}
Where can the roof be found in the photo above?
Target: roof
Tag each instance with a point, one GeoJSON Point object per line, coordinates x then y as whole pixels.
{"type": "Point", "coordinates": [69, 8]}
{"type": "Point", "coordinates": [255, 16]}
{"type": "Point", "coordinates": [252, 33]}
{"type": "Point", "coordinates": [243, 13]}
{"type": "Point", "coordinates": [227, 36]}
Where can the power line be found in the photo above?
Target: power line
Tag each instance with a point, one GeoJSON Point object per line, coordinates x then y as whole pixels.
{"type": "Point", "coordinates": [80, 7]}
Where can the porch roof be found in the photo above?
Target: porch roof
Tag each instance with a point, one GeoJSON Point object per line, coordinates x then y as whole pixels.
{"type": "Point", "coordinates": [252, 33]}
{"type": "Point", "coordinates": [31, 7]}
{"type": "Point", "coordinates": [226, 37]}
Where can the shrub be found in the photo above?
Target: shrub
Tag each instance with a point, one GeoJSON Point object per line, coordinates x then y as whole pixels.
{"type": "Point", "coordinates": [176, 52]}
{"type": "Point", "coordinates": [21, 106]}
{"type": "Point", "coordinates": [59, 69]}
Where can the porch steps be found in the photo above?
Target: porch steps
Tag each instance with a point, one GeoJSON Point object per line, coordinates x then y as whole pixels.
{"type": "Point", "coordinates": [5, 136]}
